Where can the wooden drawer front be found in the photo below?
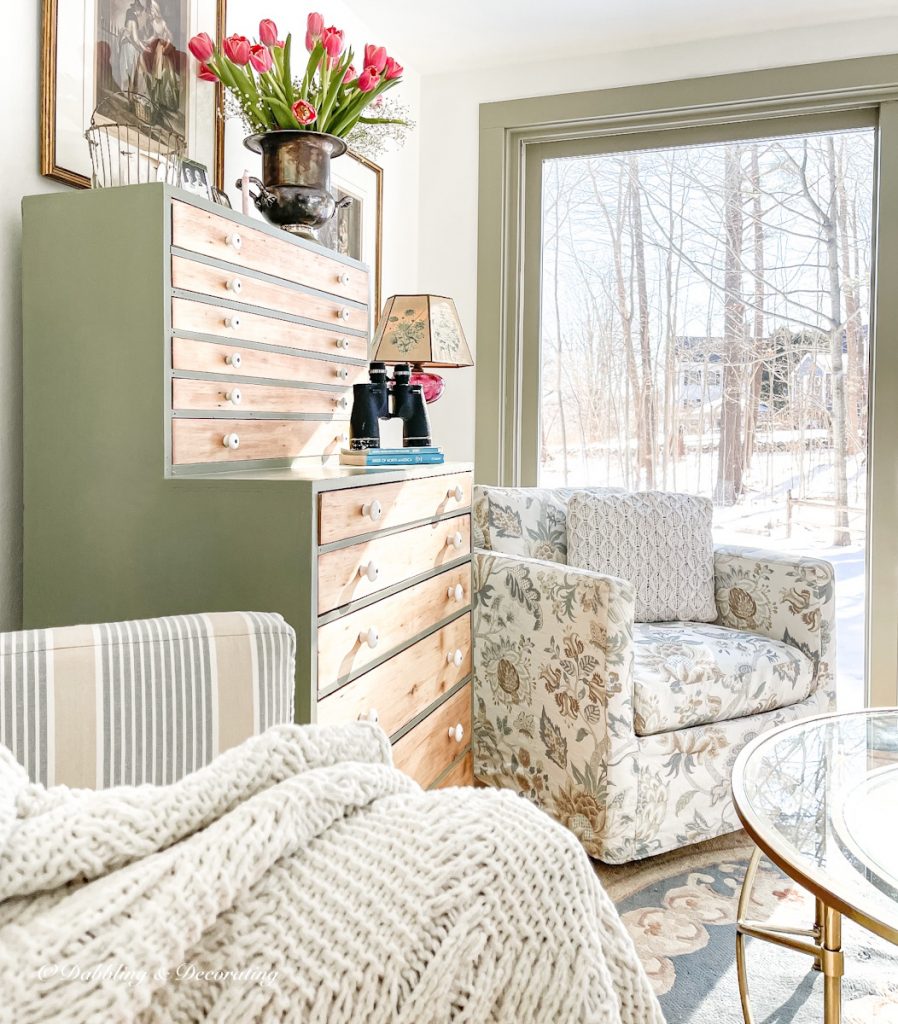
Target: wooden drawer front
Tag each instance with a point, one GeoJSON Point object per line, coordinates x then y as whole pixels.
{"type": "Point", "coordinates": [461, 773]}
{"type": "Point", "coordinates": [426, 751]}
{"type": "Point", "coordinates": [395, 558]}
{"type": "Point", "coordinates": [341, 515]}
{"type": "Point", "coordinates": [211, 395]}
{"type": "Point", "coordinates": [207, 357]}
{"type": "Point", "coordinates": [405, 686]}
{"type": "Point", "coordinates": [211, 235]}
{"type": "Point", "coordinates": [396, 619]}
{"type": "Point", "coordinates": [240, 287]}
{"type": "Point", "coordinates": [202, 318]}
{"type": "Point", "coordinates": [203, 440]}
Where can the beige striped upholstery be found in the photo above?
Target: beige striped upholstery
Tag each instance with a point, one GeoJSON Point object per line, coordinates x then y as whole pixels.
{"type": "Point", "coordinates": [142, 701]}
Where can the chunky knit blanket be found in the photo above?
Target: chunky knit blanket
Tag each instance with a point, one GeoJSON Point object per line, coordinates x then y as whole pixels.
{"type": "Point", "coordinates": [299, 877]}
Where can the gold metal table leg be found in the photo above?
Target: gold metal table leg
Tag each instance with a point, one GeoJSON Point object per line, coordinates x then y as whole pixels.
{"type": "Point", "coordinates": [741, 916]}
{"type": "Point", "coordinates": [831, 964]}
{"type": "Point", "coordinates": [823, 943]}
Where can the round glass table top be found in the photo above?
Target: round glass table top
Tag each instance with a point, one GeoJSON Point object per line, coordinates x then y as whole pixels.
{"type": "Point", "coordinates": [820, 797]}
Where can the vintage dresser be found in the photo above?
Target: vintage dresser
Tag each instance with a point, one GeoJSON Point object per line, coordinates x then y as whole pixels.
{"type": "Point", "coordinates": [187, 384]}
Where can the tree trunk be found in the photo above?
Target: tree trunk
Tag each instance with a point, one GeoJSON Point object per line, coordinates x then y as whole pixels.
{"type": "Point", "coordinates": [647, 415]}
{"type": "Point", "coordinates": [730, 451]}
{"type": "Point", "coordinates": [841, 535]}
{"type": "Point", "coordinates": [854, 368]}
{"type": "Point", "coordinates": [759, 344]}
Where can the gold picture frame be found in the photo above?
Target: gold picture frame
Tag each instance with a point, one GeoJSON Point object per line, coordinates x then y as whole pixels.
{"type": "Point", "coordinates": [50, 164]}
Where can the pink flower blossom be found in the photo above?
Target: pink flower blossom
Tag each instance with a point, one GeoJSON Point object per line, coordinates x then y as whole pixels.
{"type": "Point", "coordinates": [314, 28]}
{"type": "Point", "coordinates": [206, 74]}
{"type": "Point", "coordinates": [368, 79]}
{"type": "Point", "coordinates": [260, 58]}
{"type": "Point", "coordinates": [350, 74]}
{"type": "Point", "coordinates": [375, 57]}
{"type": "Point", "coordinates": [201, 46]}
{"type": "Point", "coordinates": [304, 112]}
{"type": "Point", "coordinates": [237, 49]}
{"type": "Point", "coordinates": [268, 32]}
{"type": "Point", "coordinates": [393, 69]}
{"type": "Point", "coordinates": [333, 42]}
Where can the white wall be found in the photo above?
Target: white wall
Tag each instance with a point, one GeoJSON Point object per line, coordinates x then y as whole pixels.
{"type": "Point", "coordinates": [449, 147]}
{"type": "Point", "coordinates": [400, 258]}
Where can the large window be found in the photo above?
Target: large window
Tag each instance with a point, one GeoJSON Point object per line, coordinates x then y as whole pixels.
{"type": "Point", "coordinates": [704, 326]}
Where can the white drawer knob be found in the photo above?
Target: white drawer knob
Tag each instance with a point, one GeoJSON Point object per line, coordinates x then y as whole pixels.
{"type": "Point", "coordinates": [342, 372]}
{"type": "Point", "coordinates": [455, 657]}
{"type": "Point", "coordinates": [342, 402]}
{"type": "Point", "coordinates": [234, 241]}
{"type": "Point", "coordinates": [232, 322]}
{"type": "Point", "coordinates": [371, 716]}
{"type": "Point", "coordinates": [234, 285]}
{"type": "Point", "coordinates": [370, 637]}
{"type": "Point", "coordinates": [373, 510]}
{"type": "Point", "coordinates": [234, 396]}
{"type": "Point", "coordinates": [231, 441]}
{"type": "Point", "coordinates": [455, 492]}
{"type": "Point", "coordinates": [342, 343]}
{"type": "Point", "coordinates": [234, 359]}
{"type": "Point", "coordinates": [344, 313]}
{"type": "Point", "coordinates": [456, 593]}
{"type": "Point", "coordinates": [370, 571]}
{"type": "Point", "coordinates": [455, 540]}
{"type": "Point", "coordinates": [343, 278]}
{"type": "Point", "coordinates": [457, 732]}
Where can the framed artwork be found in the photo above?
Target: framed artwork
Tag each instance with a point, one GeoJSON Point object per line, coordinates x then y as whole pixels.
{"type": "Point", "coordinates": [195, 178]}
{"type": "Point", "coordinates": [128, 60]}
{"type": "Point", "coordinates": [356, 229]}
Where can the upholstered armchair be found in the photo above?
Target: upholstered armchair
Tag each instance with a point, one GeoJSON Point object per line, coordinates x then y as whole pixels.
{"type": "Point", "coordinates": [627, 732]}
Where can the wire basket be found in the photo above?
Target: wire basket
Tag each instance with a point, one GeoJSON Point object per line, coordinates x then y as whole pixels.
{"type": "Point", "coordinates": [133, 153]}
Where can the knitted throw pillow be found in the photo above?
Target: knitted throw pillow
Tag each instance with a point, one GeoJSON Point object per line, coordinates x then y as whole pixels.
{"type": "Point", "coordinates": [659, 542]}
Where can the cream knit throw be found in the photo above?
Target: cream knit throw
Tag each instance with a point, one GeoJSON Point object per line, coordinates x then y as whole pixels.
{"type": "Point", "coordinates": [326, 882]}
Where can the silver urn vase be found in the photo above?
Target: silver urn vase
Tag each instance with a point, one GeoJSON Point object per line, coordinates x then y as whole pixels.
{"type": "Point", "coordinates": [295, 189]}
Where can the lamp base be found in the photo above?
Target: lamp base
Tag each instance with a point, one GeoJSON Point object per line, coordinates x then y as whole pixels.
{"type": "Point", "coordinates": [432, 384]}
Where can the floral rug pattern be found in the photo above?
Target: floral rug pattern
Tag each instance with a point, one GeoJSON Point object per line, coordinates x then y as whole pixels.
{"type": "Point", "coordinates": [680, 909]}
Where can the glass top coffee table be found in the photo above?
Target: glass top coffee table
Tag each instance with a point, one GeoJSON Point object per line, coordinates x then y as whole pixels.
{"type": "Point", "coordinates": [820, 798]}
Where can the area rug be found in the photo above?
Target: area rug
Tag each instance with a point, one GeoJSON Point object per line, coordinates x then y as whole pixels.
{"type": "Point", "coordinates": [680, 909]}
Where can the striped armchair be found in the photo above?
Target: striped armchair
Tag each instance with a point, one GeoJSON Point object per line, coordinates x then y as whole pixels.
{"type": "Point", "coordinates": [145, 701]}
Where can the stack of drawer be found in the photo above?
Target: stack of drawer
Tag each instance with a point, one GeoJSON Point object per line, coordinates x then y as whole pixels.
{"type": "Point", "coordinates": [394, 626]}
{"type": "Point", "coordinates": [268, 337]}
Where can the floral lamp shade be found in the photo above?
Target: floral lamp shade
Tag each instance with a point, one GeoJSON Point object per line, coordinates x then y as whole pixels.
{"type": "Point", "coordinates": [423, 330]}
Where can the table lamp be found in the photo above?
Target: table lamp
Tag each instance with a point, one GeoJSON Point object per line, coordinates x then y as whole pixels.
{"type": "Point", "coordinates": [423, 330]}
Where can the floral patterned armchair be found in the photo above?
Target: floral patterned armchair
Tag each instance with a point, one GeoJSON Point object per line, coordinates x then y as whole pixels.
{"type": "Point", "coordinates": [627, 732]}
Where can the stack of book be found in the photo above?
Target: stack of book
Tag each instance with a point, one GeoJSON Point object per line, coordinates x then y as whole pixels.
{"type": "Point", "coordinates": [374, 457]}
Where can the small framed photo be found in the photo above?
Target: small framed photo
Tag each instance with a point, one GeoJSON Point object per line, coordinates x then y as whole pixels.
{"type": "Point", "coordinates": [195, 178]}
{"type": "Point", "coordinates": [220, 197]}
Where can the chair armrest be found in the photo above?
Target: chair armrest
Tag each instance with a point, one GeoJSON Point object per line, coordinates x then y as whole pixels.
{"type": "Point", "coordinates": [782, 596]}
{"type": "Point", "coordinates": [148, 700]}
{"type": "Point", "coordinates": [553, 712]}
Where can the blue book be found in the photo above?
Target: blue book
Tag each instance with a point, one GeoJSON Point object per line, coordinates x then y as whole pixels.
{"type": "Point", "coordinates": [407, 457]}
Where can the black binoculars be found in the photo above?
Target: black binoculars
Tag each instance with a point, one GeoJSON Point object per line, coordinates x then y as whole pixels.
{"type": "Point", "coordinates": [385, 399]}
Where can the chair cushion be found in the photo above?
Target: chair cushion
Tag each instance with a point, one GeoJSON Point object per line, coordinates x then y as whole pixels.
{"type": "Point", "coordinates": [693, 673]}
{"type": "Point", "coordinates": [659, 542]}
{"type": "Point", "coordinates": [526, 521]}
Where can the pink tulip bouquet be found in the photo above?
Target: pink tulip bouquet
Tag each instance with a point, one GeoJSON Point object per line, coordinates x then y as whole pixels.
{"type": "Point", "coordinates": [332, 96]}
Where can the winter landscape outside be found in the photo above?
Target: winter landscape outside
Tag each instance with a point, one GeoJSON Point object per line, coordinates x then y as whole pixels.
{"type": "Point", "coordinates": [705, 328]}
